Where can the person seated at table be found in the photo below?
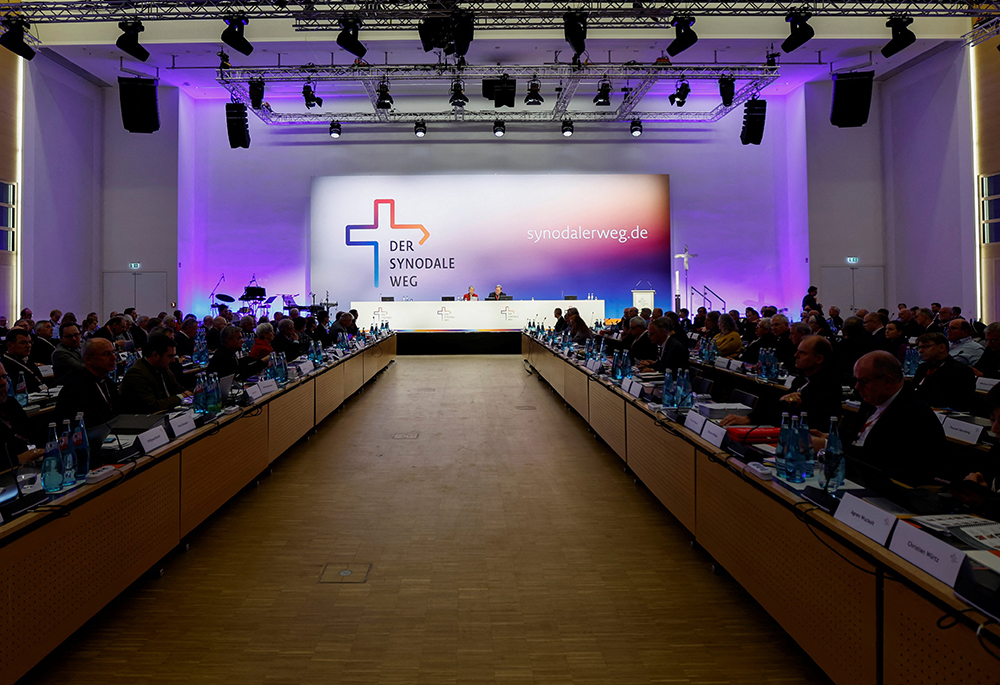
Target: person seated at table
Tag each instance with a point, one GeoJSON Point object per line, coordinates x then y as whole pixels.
{"type": "Point", "coordinates": [261, 350]}
{"type": "Point", "coordinates": [225, 362]}
{"type": "Point", "coordinates": [353, 328]}
{"type": "Point", "coordinates": [748, 326]}
{"type": "Point", "coordinates": [646, 314]}
{"type": "Point", "coordinates": [17, 360]}
{"type": "Point", "coordinates": [212, 334]}
{"type": "Point", "coordinates": [637, 326]}
{"type": "Point", "coordinates": [895, 340]}
{"type": "Point", "coordinates": [685, 321]}
{"type": "Point", "coordinates": [710, 329]}
{"type": "Point", "coordinates": [16, 430]}
{"type": "Point", "coordinates": [67, 358]}
{"type": "Point", "coordinates": [88, 389]}
{"type": "Point", "coordinates": [796, 332]}
{"type": "Point", "coordinates": [910, 328]}
{"type": "Point", "coordinates": [497, 294]}
{"type": "Point", "coordinates": [988, 474]}
{"type": "Point", "coordinates": [578, 329]}
{"type": "Point", "coordinates": [856, 343]}
{"type": "Point", "coordinates": [471, 295]}
{"type": "Point", "coordinates": [342, 325]}
{"type": "Point", "coordinates": [657, 313]}
{"type": "Point", "coordinates": [301, 334]}
{"type": "Point", "coordinates": [671, 353]}
{"type": "Point", "coordinates": [765, 339]}
{"type": "Point", "coordinates": [963, 348]}
{"type": "Point", "coordinates": [149, 386]}
{"type": "Point", "coordinates": [42, 345]}
{"type": "Point", "coordinates": [561, 323]}
{"type": "Point", "coordinates": [728, 342]}
{"type": "Point", "coordinates": [835, 322]}
{"type": "Point", "coordinates": [816, 390]}
{"type": "Point", "coordinates": [322, 328]}
{"type": "Point", "coordinates": [627, 316]}
{"type": "Point", "coordinates": [699, 319]}
{"type": "Point", "coordinates": [989, 363]}
{"type": "Point", "coordinates": [184, 338]}
{"type": "Point", "coordinates": [112, 331]}
{"type": "Point", "coordinates": [819, 326]}
{"type": "Point", "coordinates": [286, 340]}
{"type": "Point", "coordinates": [942, 382]}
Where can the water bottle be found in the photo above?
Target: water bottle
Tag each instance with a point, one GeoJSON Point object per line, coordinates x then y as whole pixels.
{"type": "Point", "coordinates": [67, 453]}
{"type": "Point", "coordinates": [214, 394]}
{"type": "Point", "coordinates": [669, 388]}
{"type": "Point", "coordinates": [833, 469]}
{"type": "Point", "coordinates": [688, 399]}
{"type": "Point", "coordinates": [616, 372]}
{"type": "Point", "coordinates": [52, 470]}
{"type": "Point", "coordinates": [199, 394]}
{"type": "Point", "coordinates": [81, 445]}
{"type": "Point", "coordinates": [794, 462]}
{"type": "Point", "coordinates": [808, 453]}
{"type": "Point", "coordinates": [782, 446]}
{"type": "Point", "coordinates": [21, 393]}
{"type": "Point", "coordinates": [626, 365]}
{"type": "Point", "coordinates": [282, 368]}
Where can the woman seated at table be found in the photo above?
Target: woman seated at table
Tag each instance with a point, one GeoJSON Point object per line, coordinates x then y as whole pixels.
{"type": "Point", "coordinates": [728, 341]}
{"type": "Point", "coordinates": [578, 328]}
{"type": "Point", "coordinates": [263, 336]}
{"type": "Point", "coordinates": [895, 341]}
{"type": "Point", "coordinates": [471, 295]}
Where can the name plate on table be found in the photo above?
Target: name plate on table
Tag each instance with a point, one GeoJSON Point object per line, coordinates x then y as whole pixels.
{"type": "Point", "coordinates": [960, 430]}
{"type": "Point", "coordinates": [338, 353]}
{"type": "Point", "coordinates": [306, 367]}
{"type": "Point", "coordinates": [46, 370]}
{"type": "Point", "coordinates": [153, 438]}
{"type": "Point", "coordinates": [253, 392]}
{"type": "Point", "coordinates": [985, 384]}
{"type": "Point", "coordinates": [270, 385]}
{"type": "Point", "coordinates": [872, 522]}
{"type": "Point", "coordinates": [927, 552]}
{"type": "Point", "coordinates": [635, 388]}
{"type": "Point", "coordinates": [182, 424]}
{"type": "Point", "coordinates": [722, 363]}
{"type": "Point", "coordinates": [594, 365]}
{"type": "Point", "coordinates": [713, 433]}
{"type": "Point", "coordinates": [694, 421]}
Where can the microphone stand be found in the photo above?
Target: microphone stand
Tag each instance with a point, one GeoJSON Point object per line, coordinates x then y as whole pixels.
{"type": "Point", "coordinates": [221, 279]}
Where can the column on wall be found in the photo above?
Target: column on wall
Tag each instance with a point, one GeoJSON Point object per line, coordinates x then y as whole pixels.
{"type": "Point", "coordinates": [9, 144]}
{"type": "Point", "coordinates": [987, 161]}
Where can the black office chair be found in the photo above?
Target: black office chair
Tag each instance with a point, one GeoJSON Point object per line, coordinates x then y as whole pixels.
{"type": "Point", "coordinates": [741, 397]}
{"type": "Point", "coordinates": [702, 386]}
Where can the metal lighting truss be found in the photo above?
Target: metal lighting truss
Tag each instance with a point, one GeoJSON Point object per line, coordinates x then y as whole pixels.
{"type": "Point", "coordinates": [640, 79]}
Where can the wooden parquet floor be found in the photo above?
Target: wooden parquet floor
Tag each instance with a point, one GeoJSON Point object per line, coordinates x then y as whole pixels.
{"type": "Point", "coordinates": [506, 546]}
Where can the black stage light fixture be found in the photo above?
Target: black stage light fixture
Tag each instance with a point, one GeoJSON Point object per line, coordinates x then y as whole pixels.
{"type": "Point", "coordinates": [309, 95]}
{"type": "Point", "coordinates": [13, 38]}
{"type": "Point", "coordinates": [348, 38]}
{"type": "Point", "coordinates": [603, 97]}
{"type": "Point", "coordinates": [684, 36]}
{"type": "Point", "coordinates": [727, 90]}
{"type": "Point", "coordinates": [534, 96]}
{"type": "Point", "coordinates": [334, 129]}
{"type": "Point", "coordinates": [754, 112]}
{"type": "Point", "coordinates": [224, 62]}
{"type": "Point", "coordinates": [902, 37]}
{"type": "Point", "coordinates": [771, 58]}
{"type": "Point", "coordinates": [128, 42]}
{"type": "Point", "coordinates": [384, 99]}
{"type": "Point", "coordinates": [679, 97]}
{"type": "Point", "coordinates": [635, 128]}
{"type": "Point", "coordinates": [256, 88]}
{"type": "Point", "coordinates": [463, 26]}
{"type": "Point", "coordinates": [500, 90]}
{"type": "Point", "coordinates": [236, 125]}
{"type": "Point", "coordinates": [420, 129]}
{"type": "Point", "coordinates": [567, 128]}
{"type": "Point", "coordinates": [233, 35]}
{"type": "Point", "coordinates": [800, 33]}
{"type": "Point", "coordinates": [499, 128]}
{"type": "Point", "coordinates": [458, 97]}
{"type": "Point", "coordinates": [452, 33]}
{"type": "Point", "coordinates": [575, 32]}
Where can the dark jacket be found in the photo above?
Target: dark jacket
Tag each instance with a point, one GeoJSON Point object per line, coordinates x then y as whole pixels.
{"type": "Point", "coordinates": [64, 362]}
{"type": "Point", "coordinates": [989, 364]}
{"type": "Point", "coordinates": [947, 384]}
{"type": "Point", "coordinates": [225, 363]}
{"type": "Point", "coordinates": [15, 367]}
{"type": "Point", "coordinates": [751, 354]}
{"type": "Point", "coordinates": [96, 397]}
{"type": "Point", "coordinates": [15, 430]}
{"type": "Point", "coordinates": [822, 397]}
{"type": "Point", "coordinates": [41, 350]}
{"type": "Point", "coordinates": [185, 345]}
{"type": "Point", "coordinates": [212, 339]}
{"type": "Point", "coordinates": [673, 357]}
{"type": "Point", "coordinates": [561, 325]}
{"type": "Point", "coordinates": [290, 348]}
{"type": "Point", "coordinates": [146, 390]}
{"type": "Point", "coordinates": [643, 349]}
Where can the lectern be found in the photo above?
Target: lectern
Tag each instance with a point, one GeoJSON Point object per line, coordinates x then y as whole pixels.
{"type": "Point", "coordinates": [642, 299]}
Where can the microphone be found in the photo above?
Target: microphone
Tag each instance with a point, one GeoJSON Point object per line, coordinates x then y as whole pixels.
{"type": "Point", "coordinates": [223, 277]}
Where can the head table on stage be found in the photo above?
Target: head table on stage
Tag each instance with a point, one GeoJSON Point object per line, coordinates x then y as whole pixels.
{"type": "Point", "coordinates": [481, 315]}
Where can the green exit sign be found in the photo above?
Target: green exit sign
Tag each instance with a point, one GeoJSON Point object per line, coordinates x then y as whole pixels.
{"type": "Point", "coordinates": [137, 265]}
{"type": "Point", "coordinates": [852, 260]}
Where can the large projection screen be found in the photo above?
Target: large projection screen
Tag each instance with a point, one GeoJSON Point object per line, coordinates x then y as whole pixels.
{"type": "Point", "coordinates": [538, 236]}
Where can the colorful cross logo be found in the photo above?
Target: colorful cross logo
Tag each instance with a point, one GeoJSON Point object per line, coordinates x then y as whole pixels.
{"type": "Point", "coordinates": [507, 312]}
{"type": "Point", "coordinates": [380, 314]}
{"type": "Point", "coordinates": [444, 312]}
{"type": "Point", "coordinates": [375, 226]}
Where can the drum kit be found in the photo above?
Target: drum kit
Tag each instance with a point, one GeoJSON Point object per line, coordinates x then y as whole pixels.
{"type": "Point", "coordinates": [255, 302]}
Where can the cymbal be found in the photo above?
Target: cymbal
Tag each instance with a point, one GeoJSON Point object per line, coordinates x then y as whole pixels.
{"type": "Point", "coordinates": [225, 298]}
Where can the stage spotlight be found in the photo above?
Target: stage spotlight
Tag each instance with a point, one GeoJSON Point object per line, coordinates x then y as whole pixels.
{"type": "Point", "coordinates": [348, 38]}
{"type": "Point", "coordinates": [534, 96]}
{"type": "Point", "coordinates": [420, 129]}
{"type": "Point", "coordinates": [727, 89]}
{"type": "Point", "coordinates": [679, 97]}
{"type": "Point", "coordinates": [13, 39]}
{"type": "Point", "coordinates": [902, 37]}
{"type": "Point", "coordinates": [500, 90]}
{"type": "Point", "coordinates": [603, 97]}
{"type": "Point", "coordinates": [334, 129]}
{"type": "Point", "coordinates": [233, 35]}
{"type": "Point", "coordinates": [684, 37]}
{"type": "Point", "coordinates": [567, 128]}
{"type": "Point", "coordinates": [635, 128]}
{"type": "Point", "coordinates": [128, 42]}
{"type": "Point", "coordinates": [754, 112]}
{"type": "Point", "coordinates": [312, 100]}
{"type": "Point", "coordinates": [458, 97]}
{"type": "Point", "coordinates": [771, 58]}
{"type": "Point", "coordinates": [499, 128]}
{"type": "Point", "coordinates": [800, 33]}
{"type": "Point", "coordinates": [575, 32]}
{"type": "Point", "coordinates": [256, 93]}
{"type": "Point", "coordinates": [384, 99]}
{"type": "Point", "coordinates": [224, 62]}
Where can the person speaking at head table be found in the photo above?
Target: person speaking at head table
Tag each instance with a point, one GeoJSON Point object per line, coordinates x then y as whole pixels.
{"type": "Point", "coordinates": [471, 295]}
{"type": "Point", "coordinates": [149, 386]}
{"type": "Point", "coordinates": [497, 294]}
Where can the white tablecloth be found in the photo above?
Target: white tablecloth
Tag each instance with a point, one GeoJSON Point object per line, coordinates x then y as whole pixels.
{"type": "Point", "coordinates": [484, 315]}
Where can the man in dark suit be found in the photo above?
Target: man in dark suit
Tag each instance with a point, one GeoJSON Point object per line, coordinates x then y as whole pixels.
{"type": "Point", "coordinates": [225, 362]}
{"type": "Point", "coordinates": [16, 431]}
{"type": "Point", "coordinates": [784, 348]}
{"type": "Point", "coordinates": [765, 339]}
{"type": "Point", "coordinates": [286, 340]}
{"type": "Point", "coordinates": [561, 323]}
{"type": "Point", "coordinates": [42, 344]}
{"type": "Point", "coordinates": [911, 329]}
{"type": "Point", "coordinates": [895, 432]}
{"type": "Point", "coordinates": [139, 332]}
{"type": "Point", "coordinates": [673, 353]}
{"type": "Point", "coordinates": [637, 326]}
{"type": "Point", "coordinates": [67, 358]}
{"type": "Point", "coordinates": [17, 360]}
{"type": "Point", "coordinates": [111, 330]}
{"type": "Point", "coordinates": [497, 294]}
{"type": "Point", "coordinates": [941, 380]}
{"type": "Point", "coordinates": [184, 338]}
{"type": "Point", "coordinates": [88, 389]}
{"type": "Point", "coordinates": [149, 386]}
{"type": "Point", "coordinates": [989, 364]}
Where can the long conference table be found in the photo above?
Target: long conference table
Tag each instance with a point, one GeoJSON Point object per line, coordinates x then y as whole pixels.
{"type": "Point", "coordinates": [866, 616]}
{"type": "Point", "coordinates": [61, 564]}
{"type": "Point", "coordinates": [481, 315]}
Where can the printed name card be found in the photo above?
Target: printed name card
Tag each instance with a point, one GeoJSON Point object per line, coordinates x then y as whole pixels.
{"type": "Point", "coordinates": [253, 392]}
{"type": "Point", "coordinates": [182, 424]}
{"type": "Point", "coordinates": [872, 522]}
{"type": "Point", "coordinates": [635, 390]}
{"type": "Point", "coordinates": [985, 384]}
{"type": "Point", "coordinates": [960, 430]}
{"type": "Point", "coordinates": [306, 367]}
{"type": "Point", "coordinates": [926, 552]}
{"type": "Point", "coordinates": [713, 433]}
{"type": "Point", "coordinates": [338, 353]}
{"type": "Point", "coordinates": [270, 385]}
{"type": "Point", "coordinates": [46, 370]}
{"type": "Point", "coordinates": [694, 421]}
{"type": "Point", "coordinates": [788, 382]}
{"type": "Point", "coordinates": [722, 363]}
{"type": "Point", "coordinates": [153, 438]}
{"type": "Point", "coordinates": [594, 365]}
